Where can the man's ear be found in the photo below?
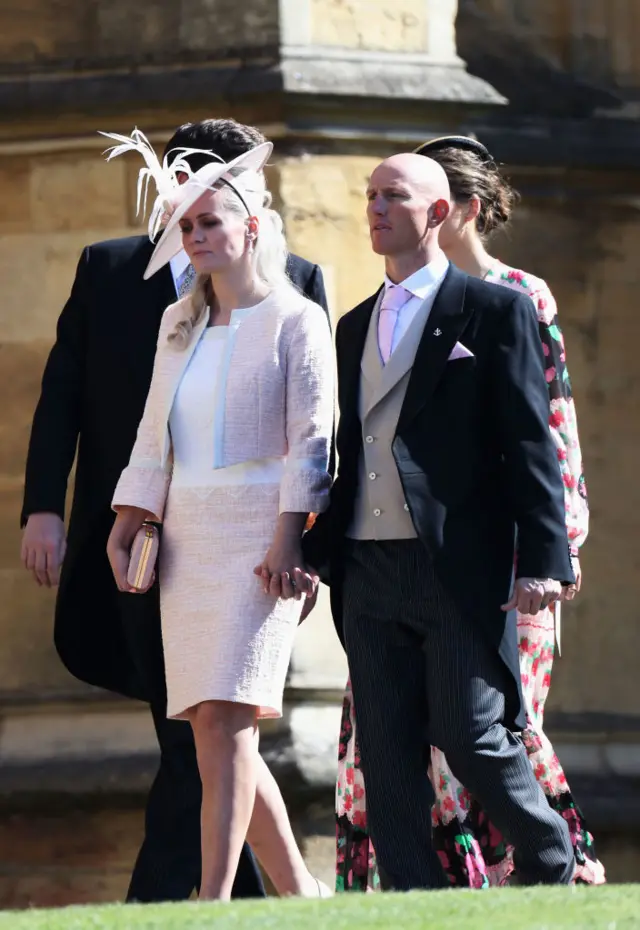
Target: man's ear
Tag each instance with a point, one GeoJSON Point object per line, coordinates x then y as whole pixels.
{"type": "Point", "coordinates": [438, 213]}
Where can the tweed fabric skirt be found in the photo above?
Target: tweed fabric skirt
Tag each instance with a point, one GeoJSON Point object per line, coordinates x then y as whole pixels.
{"type": "Point", "coordinates": [223, 638]}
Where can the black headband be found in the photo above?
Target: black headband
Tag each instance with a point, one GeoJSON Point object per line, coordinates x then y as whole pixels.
{"type": "Point", "coordinates": [186, 152]}
{"type": "Point", "coordinates": [236, 192]}
{"type": "Point", "coordinates": [455, 142]}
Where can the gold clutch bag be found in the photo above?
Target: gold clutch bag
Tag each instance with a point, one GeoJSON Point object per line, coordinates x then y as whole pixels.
{"type": "Point", "coordinates": [144, 553]}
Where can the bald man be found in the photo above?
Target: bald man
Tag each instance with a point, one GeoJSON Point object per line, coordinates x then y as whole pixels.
{"type": "Point", "coordinates": [445, 455]}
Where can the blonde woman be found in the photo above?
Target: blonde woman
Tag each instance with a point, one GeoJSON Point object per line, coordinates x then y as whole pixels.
{"type": "Point", "coordinates": [231, 457]}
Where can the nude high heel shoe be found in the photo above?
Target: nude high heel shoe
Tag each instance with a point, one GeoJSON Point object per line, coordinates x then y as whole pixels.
{"type": "Point", "coordinates": [323, 890]}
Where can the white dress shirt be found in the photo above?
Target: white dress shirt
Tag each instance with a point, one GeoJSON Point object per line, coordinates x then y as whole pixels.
{"type": "Point", "coordinates": [178, 265]}
{"type": "Point", "coordinates": [424, 285]}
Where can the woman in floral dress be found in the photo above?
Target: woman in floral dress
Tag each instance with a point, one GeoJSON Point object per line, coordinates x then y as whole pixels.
{"type": "Point", "coordinates": [473, 852]}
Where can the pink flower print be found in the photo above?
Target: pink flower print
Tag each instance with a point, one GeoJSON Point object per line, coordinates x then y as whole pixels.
{"type": "Point", "coordinates": [445, 862]}
{"type": "Point", "coordinates": [360, 819]}
{"type": "Point", "coordinates": [351, 775]}
{"type": "Point", "coordinates": [569, 481]}
{"type": "Point", "coordinates": [546, 682]}
{"type": "Point", "coordinates": [348, 802]}
{"type": "Point", "coordinates": [358, 792]}
{"type": "Point", "coordinates": [556, 419]}
{"type": "Point", "coordinates": [361, 861]}
{"type": "Point", "coordinates": [542, 303]}
{"type": "Point", "coordinates": [545, 348]}
{"type": "Point", "coordinates": [449, 805]}
{"type": "Point", "coordinates": [495, 837]}
{"type": "Point", "coordinates": [550, 374]}
{"type": "Point", "coordinates": [562, 455]}
{"type": "Point", "coordinates": [444, 781]}
{"type": "Point", "coordinates": [540, 771]}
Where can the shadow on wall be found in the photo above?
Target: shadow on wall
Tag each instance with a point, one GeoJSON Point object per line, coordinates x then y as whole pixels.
{"type": "Point", "coordinates": [506, 55]}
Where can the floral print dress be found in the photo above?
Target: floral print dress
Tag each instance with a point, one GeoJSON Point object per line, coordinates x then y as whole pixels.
{"type": "Point", "coordinates": [472, 850]}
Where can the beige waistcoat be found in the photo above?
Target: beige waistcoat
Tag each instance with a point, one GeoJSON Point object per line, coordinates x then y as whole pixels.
{"type": "Point", "coordinates": [381, 511]}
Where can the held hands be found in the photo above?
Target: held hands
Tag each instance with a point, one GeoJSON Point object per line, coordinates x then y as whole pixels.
{"type": "Point", "coordinates": [44, 544]}
{"type": "Point", "coordinates": [127, 524]}
{"type": "Point", "coordinates": [282, 571]}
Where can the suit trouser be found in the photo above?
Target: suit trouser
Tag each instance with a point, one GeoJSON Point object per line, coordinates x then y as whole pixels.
{"type": "Point", "coordinates": [421, 674]}
{"type": "Point", "coordinates": [168, 866]}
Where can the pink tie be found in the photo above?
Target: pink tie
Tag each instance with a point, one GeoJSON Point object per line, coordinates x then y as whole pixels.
{"type": "Point", "coordinates": [394, 298]}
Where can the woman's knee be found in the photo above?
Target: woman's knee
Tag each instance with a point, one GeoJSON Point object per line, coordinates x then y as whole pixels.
{"type": "Point", "coordinates": [222, 723]}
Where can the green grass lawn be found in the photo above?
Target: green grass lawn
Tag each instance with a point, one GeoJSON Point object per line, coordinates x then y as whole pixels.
{"type": "Point", "coordinates": [606, 908]}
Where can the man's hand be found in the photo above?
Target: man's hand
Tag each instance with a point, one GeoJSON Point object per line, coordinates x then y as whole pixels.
{"type": "Point", "coordinates": [533, 594]}
{"type": "Point", "coordinates": [44, 543]}
{"type": "Point", "coordinates": [571, 590]}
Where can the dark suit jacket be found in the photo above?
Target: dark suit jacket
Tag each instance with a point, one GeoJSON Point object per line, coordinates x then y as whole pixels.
{"type": "Point", "coordinates": [473, 450]}
{"type": "Point", "coordinates": [93, 393]}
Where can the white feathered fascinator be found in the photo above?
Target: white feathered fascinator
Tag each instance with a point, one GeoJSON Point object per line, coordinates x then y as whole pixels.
{"type": "Point", "coordinates": [163, 175]}
{"type": "Point", "coordinates": [173, 198]}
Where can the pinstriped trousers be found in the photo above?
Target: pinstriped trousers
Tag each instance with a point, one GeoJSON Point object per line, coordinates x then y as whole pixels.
{"type": "Point", "coordinates": [422, 674]}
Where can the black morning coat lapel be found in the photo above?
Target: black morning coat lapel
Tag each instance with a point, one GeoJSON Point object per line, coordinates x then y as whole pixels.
{"type": "Point", "coordinates": [449, 317]}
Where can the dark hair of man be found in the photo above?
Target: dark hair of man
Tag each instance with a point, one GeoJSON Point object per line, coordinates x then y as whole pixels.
{"type": "Point", "coordinates": [224, 137]}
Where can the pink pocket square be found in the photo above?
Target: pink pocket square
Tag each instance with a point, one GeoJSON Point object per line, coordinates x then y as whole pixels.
{"type": "Point", "coordinates": [460, 351]}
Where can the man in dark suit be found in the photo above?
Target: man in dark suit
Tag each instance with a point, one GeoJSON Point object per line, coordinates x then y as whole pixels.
{"type": "Point", "coordinates": [444, 456]}
{"type": "Point", "coordinates": [93, 394]}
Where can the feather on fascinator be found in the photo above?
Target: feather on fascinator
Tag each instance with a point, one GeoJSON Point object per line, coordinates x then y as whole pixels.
{"type": "Point", "coordinates": [174, 198]}
{"type": "Point", "coordinates": [164, 176]}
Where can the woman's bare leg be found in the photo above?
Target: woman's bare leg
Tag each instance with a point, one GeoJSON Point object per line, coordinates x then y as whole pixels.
{"type": "Point", "coordinates": [226, 737]}
{"type": "Point", "coordinates": [271, 839]}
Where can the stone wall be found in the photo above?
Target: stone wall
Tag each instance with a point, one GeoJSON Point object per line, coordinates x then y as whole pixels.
{"type": "Point", "coordinates": [593, 39]}
{"type": "Point", "coordinates": [357, 79]}
{"type": "Point", "coordinates": [409, 26]}
{"type": "Point", "coordinates": [40, 35]}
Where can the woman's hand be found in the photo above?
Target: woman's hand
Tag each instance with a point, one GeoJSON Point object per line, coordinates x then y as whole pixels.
{"type": "Point", "coordinates": [127, 524]}
{"type": "Point", "coordinates": [571, 590]}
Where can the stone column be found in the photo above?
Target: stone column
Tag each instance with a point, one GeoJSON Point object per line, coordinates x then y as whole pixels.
{"type": "Point", "coordinates": [358, 52]}
{"type": "Point", "coordinates": [397, 48]}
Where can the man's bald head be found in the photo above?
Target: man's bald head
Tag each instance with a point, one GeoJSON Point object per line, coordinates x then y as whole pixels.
{"type": "Point", "coordinates": [408, 200]}
{"type": "Point", "coordinates": [423, 173]}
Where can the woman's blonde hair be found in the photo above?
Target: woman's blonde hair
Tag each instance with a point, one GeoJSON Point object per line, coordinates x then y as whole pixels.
{"type": "Point", "coordinates": [269, 253]}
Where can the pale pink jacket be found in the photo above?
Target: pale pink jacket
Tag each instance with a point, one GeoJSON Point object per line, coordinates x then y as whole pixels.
{"type": "Point", "coordinates": [275, 398]}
